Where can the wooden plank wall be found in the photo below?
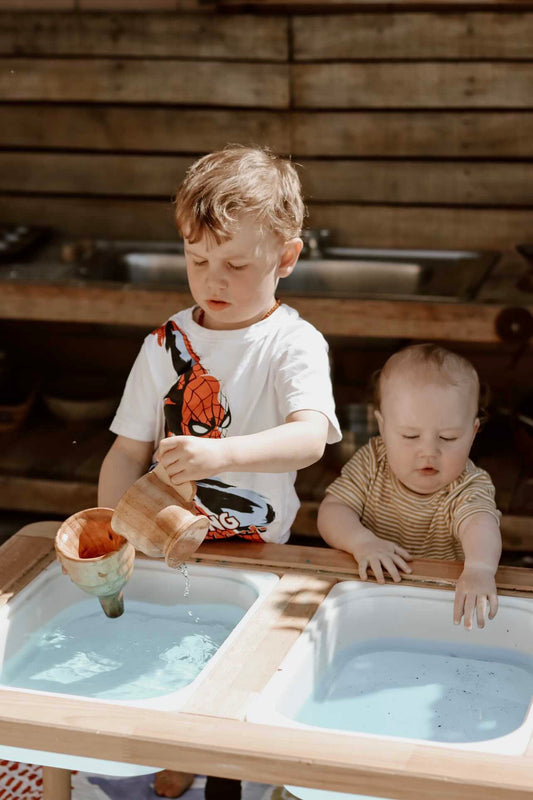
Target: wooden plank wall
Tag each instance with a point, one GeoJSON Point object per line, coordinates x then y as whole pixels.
{"type": "Point", "coordinates": [413, 128]}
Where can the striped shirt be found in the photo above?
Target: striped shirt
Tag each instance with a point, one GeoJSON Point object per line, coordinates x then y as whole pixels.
{"type": "Point", "coordinates": [426, 525]}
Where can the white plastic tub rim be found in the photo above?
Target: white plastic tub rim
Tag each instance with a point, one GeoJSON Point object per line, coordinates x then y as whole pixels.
{"type": "Point", "coordinates": [355, 612]}
{"type": "Point", "coordinates": [151, 581]}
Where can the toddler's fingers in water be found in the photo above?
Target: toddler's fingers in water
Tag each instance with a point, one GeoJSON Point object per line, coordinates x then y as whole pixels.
{"type": "Point", "coordinates": [375, 566]}
{"type": "Point", "coordinates": [458, 606]}
{"type": "Point", "coordinates": [470, 605]}
{"type": "Point", "coordinates": [481, 610]}
{"type": "Point", "coordinates": [493, 605]}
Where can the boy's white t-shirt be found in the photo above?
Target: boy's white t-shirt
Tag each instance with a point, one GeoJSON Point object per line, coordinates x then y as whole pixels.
{"type": "Point", "coordinates": [231, 383]}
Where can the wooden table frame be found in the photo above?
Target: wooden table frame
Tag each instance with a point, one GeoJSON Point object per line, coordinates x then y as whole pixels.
{"type": "Point", "coordinates": [210, 734]}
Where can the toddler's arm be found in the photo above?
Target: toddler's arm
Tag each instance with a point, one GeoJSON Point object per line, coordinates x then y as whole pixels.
{"type": "Point", "coordinates": [126, 460]}
{"type": "Point", "coordinates": [299, 442]}
{"type": "Point", "coordinates": [341, 528]}
{"type": "Point", "coordinates": [482, 545]}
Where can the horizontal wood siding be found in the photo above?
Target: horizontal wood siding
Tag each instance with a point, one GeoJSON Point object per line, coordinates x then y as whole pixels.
{"type": "Point", "coordinates": [424, 134]}
{"type": "Point", "coordinates": [353, 224]}
{"type": "Point", "coordinates": [410, 36]}
{"type": "Point", "coordinates": [148, 129]}
{"type": "Point", "coordinates": [410, 128]}
{"type": "Point", "coordinates": [145, 36]}
{"type": "Point", "coordinates": [426, 84]}
{"type": "Point", "coordinates": [479, 183]}
{"type": "Point", "coordinates": [210, 83]}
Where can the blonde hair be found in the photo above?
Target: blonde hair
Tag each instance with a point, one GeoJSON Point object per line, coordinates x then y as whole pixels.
{"type": "Point", "coordinates": [450, 368]}
{"type": "Point", "coordinates": [220, 187]}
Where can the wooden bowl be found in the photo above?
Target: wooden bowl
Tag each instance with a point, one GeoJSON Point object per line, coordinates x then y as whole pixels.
{"type": "Point", "coordinates": [82, 398]}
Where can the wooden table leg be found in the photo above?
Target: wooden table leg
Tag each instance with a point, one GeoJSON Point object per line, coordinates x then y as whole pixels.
{"type": "Point", "coordinates": [56, 783]}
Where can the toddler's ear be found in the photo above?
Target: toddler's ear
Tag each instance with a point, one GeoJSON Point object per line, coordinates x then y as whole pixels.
{"type": "Point", "coordinates": [289, 256]}
{"type": "Point", "coordinates": [379, 418]}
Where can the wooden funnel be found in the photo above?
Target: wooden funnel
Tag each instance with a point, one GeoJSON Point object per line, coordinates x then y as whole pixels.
{"type": "Point", "coordinates": [95, 558]}
{"type": "Point", "coordinates": [159, 519]}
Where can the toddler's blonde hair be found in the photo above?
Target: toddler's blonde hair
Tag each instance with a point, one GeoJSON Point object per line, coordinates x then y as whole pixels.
{"type": "Point", "coordinates": [431, 361]}
{"type": "Point", "coordinates": [222, 186]}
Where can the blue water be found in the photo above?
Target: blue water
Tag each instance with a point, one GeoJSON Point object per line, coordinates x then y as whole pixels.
{"type": "Point", "coordinates": [423, 690]}
{"type": "Point", "coordinates": [149, 651]}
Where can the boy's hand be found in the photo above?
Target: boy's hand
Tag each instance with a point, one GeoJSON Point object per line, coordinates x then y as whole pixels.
{"type": "Point", "coordinates": [371, 551]}
{"type": "Point", "coordinates": [191, 458]}
{"type": "Point", "coordinates": [476, 588]}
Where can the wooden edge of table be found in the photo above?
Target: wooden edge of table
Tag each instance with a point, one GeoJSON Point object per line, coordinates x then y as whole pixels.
{"type": "Point", "coordinates": [210, 734]}
{"type": "Point", "coordinates": [341, 566]}
{"type": "Point", "coordinates": [24, 556]}
{"type": "Point", "coordinates": [100, 303]}
{"type": "Point", "coordinates": [263, 753]}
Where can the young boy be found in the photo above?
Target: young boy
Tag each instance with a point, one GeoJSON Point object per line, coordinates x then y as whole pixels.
{"type": "Point", "coordinates": [413, 491]}
{"type": "Point", "coordinates": [233, 393]}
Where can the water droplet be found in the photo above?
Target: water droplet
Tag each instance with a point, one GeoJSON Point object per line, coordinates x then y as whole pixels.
{"type": "Point", "coordinates": [185, 572]}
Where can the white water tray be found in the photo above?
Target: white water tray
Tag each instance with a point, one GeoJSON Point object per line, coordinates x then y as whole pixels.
{"type": "Point", "coordinates": [370, 648]}
{"type": "Point", "coordinates": [148, 645]}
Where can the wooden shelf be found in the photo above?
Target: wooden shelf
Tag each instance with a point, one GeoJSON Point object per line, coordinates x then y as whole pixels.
{"type": "Point", "coordinates": [467, 322]}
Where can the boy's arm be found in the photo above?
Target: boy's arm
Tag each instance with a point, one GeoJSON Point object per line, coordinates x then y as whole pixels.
{"type": "Point", "coordinates": [341, 528]}
{"type": "Point", "coordinates": [126, 460]}
{"type": "Point", "coordinates": [299, 442]}
{"type": "Point", "coordinates": [481, 539]}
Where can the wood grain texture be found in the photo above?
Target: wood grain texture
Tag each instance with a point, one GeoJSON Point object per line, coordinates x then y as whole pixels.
{"type": "Point", "coordinates": [354, 225]}
{"type": "Point", "coordinates": [95, 174]}
{"type": "Point", "coordinates": [420, 133]}
{"type": "Point", "coordinates": [407, 227]}
{"type": "Point", "coordinates": [140, 128]}
{"type": "Point", "coordinates": [335, 563]}
{"type": "Point", "coordinates": [428, 84]}
{"type": "Point", "coordinates": [158, 35]}
{"type": "Point", "coordinates": [39, 5]}
{"type": "Point", "coordinates": [259, 649]}
{"type": "Point", "coordinates": [261, 753]}
{"type": "Point", "coordinates": [208, 83]}
{"type": "Point", "coordinates": [481, 183]}
{"type": "Point", "coordinates": [459, 322]}
{"type": "Point", "coordinates": [406, 35]}
{"type": "Point", "coordinates": [339, 6]}
{"type": "Point", "coordinates": [22, 558]}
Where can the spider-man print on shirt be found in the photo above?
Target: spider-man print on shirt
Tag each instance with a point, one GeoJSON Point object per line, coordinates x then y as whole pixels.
{"type": "Point", "coordinates": [196, 406]}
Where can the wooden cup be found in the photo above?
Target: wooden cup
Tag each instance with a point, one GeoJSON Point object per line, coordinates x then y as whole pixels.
{"type": "Point", "coordinates": [96, 559]}
{"type": "Point", "coordinates": [158, 518]}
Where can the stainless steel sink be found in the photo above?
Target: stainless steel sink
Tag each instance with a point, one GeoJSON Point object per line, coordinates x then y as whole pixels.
{"type": "Point", "coordinates": [158, 264]}
{"type": "Point", "coordinates": [441, 275]}
{"type": "Point", "coordinates": [161, 268]}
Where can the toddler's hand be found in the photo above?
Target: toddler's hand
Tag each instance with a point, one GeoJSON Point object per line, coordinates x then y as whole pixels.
{"type": "Point", "coordinates": [371, 551]}
{"type": "Point", "coordinates": [476, 588]}
{"type": "Point", "coordinates": [191, 458]}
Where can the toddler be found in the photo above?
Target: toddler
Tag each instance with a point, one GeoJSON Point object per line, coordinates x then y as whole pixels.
{"type": "Point", "coordinates": [412, 491]}
{"type": "Point", "coordinates": [233, 393]}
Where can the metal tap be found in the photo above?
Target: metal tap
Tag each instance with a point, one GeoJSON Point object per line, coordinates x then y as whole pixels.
{"type": "Point", "coordinates": [315, 241]}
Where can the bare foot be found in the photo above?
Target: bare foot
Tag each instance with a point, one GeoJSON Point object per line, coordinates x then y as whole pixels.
{"type": "Point", "coordinates": [172, 784]}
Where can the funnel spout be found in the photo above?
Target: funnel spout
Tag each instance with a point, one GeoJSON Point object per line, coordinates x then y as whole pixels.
{"type": "Point", "coordinates": [113, 605]}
